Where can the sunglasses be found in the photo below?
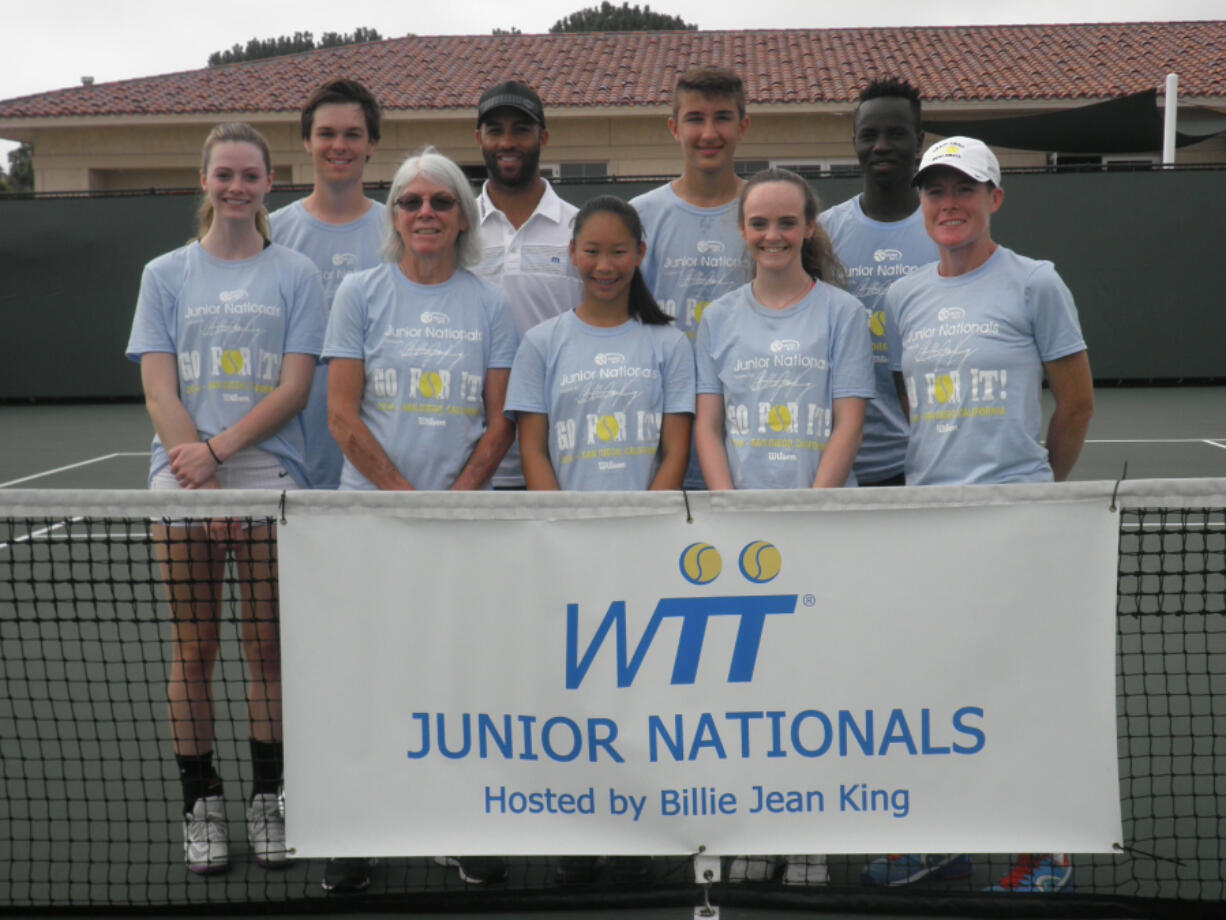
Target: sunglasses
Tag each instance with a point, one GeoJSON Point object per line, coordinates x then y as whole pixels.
{"type": "Point", "coordinates": [413, 203]}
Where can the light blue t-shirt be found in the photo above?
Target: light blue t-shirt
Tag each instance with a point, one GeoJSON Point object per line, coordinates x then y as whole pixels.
{"type": "Point", "coordinates": [971, 351]}
{"type": "Point", "coordinates": [229, 324]}
{"type": "Point", "coordinates": [426, 349]}
{"type": "Point", "coordinates": [694, 256]}
{"type": "Point", "coordinates": [605, 392]}
{"type": "Point", "coordinates": [779, 372]}
{"type": "Point", "coordinates": [876, 254]}
{"type": "Point", "coordinates": [337, 250]}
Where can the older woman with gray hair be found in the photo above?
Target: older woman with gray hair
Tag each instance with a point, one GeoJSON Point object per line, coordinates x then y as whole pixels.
{"type": "Point", "coordinates": [420, 349]}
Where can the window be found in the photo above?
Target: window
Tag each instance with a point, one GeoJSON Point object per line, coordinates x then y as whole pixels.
{"type": "Point", "coordinates": [593, 170]}
{"type": "Point", "coordinates": [1076, 162]}
{"type": "Point", "coordinates": [808, 168]}
{"type": "Point", "coordinates": [814, 168]}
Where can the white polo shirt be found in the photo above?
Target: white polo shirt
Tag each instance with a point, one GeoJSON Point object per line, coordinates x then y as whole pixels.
{"type": "Point", "coordinates": [532, 264]}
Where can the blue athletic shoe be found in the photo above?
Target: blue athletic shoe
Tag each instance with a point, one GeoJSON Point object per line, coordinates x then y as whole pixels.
{"type": "Point", "coordinates": [908, 868]}
{"type": "Point", "coordinates": [1038, 872]}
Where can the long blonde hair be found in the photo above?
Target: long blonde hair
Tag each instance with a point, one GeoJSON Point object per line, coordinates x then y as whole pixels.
{"type": "Point", "coordinates": [241, 132]}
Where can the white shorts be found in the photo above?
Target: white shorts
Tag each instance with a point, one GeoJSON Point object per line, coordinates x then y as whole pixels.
{"type": "Point", "coordinates": [251, 468]}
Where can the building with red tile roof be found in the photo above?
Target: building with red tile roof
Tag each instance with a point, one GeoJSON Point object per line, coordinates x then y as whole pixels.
{"type": "Point", "coordinates": [607, 95]}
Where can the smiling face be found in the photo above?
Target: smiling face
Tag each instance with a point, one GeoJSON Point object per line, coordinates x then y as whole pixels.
{"type": "Point", "coordinates": [958, 211]}
{"type": "Point", "coordinates": [774, 226]}
{"type": "Point", "coordinates": [339, 144]}
{"type": "Point", "coordinates": [511, 145]}
{"type": "Point", "coordinates": [708, 129]}
{"type": "Point", "coordinates": [887, 139]}
{"type": "Point", "coordinates": [606, 255]}
{"type": "Point", "coordinates": [236, 180]}
{"type": "Point", "coordinates": [429, 220]}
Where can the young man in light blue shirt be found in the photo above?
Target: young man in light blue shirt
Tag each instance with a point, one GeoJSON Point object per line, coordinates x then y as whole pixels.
{"type": "Point", "coordinates": [879, 237]}
{"type": "Point", "coordinates": [337, 227]}
{"type": "Point", "coordinates": [695, 253]}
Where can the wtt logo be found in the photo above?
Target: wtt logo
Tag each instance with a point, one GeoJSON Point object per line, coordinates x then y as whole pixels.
{"type": "Point", "coordinates": [700, 564]}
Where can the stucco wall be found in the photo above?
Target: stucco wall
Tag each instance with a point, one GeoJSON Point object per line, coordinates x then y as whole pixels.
{"type": "Point", "coordinates": [104, 154]}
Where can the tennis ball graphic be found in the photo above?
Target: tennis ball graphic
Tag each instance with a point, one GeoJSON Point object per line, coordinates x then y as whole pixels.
{"type": "Point", "coordinates": [606, 428]}
{"type": "Point", "coordinates": [232, 361]}
{"type": "Point", "coordinates": [780, 419]}
{"type": "Point", "coordinates": [431, 384]}
{"type": "Point", "coordinates": [944, 388]}
{"type": "Point", "coordinates": [700, 563]}
{"type": "Point", "coordinates": [760, 561]}
{"type": "Point", "coordinates": [876, 323]}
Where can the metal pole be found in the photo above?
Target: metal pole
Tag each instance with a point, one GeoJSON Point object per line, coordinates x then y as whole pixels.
{"type": "Point", "coordinates": [1171, 104]}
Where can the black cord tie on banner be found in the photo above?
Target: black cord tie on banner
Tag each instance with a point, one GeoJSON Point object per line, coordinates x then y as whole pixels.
{"type": "Point", "coordinates": [689, 518]}
{"type": "Point", "coordinates": [283, 520]}
{"type": "Point", "coordinates": [1135, 851]}
{"type": "Point", "coordinates": [1116, 490]}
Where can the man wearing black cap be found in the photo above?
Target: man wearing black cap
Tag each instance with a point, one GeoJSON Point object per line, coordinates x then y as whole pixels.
{"type": "Point", "coordinates": [525, 226]}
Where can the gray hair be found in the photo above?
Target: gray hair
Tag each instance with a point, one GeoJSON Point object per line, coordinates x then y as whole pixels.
{"type": "Point", "coordinates": [437, 168]}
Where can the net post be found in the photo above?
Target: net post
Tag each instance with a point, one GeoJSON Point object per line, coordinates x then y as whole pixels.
{"type": "Point", "coordinates": [706, 873]}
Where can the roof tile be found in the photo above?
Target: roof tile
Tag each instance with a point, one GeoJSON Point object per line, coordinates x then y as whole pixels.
{"type": "Point", "coordinates": [949, 64]}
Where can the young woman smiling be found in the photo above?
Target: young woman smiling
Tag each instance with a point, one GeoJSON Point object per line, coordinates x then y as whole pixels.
{"type": "Point", "coordinates": [784, 362]}
{"type": "Point", "coordinates": [227, 330]}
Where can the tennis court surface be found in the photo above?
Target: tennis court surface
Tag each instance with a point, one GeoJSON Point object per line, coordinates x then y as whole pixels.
{"type": "Point", "coordinates": [89, 820]}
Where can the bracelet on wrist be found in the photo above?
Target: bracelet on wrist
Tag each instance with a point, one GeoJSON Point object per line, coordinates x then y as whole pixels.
{"type": "Point", "coordinates": [216, 459]}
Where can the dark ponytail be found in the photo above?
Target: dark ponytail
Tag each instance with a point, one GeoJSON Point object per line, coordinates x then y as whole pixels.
{"type": "Point", "coordinates": [642, 304]}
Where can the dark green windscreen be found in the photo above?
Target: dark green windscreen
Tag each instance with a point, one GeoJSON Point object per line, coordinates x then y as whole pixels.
{"type": "Point", "coordinates": [1141, 252]}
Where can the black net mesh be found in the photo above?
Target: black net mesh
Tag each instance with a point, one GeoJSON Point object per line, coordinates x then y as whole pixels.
{"type": "Point", "coordinates": [92, 808]}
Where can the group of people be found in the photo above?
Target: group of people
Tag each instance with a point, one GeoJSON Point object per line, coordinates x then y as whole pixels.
{"type": "Point", "coordinates": [715, 332]}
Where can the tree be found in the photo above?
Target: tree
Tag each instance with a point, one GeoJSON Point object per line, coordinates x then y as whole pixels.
{"type": "Point", "coordinates": [259, 48]}
{"type": "Point", "coordinates": [510, 31]}
{"type": "Point", "coordinates": [20, 177]}
{"type": "Point", "coordinates": [624, 18]}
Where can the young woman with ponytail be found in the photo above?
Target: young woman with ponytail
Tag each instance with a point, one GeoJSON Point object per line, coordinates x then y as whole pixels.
{"type": "Point", "coordinates": [227, 332]}
{"type": "Point", "coordinates": [784, 362]}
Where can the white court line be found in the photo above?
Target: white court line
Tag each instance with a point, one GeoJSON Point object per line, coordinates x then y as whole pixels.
{"type": "Point", "coordinates": [1153, 441]}
{"type": "Point", "coordinates": [72, 466]}
{"type": "Point", "coordinates": [1215, 444]}
{"type": "Point", "coordinates": [35, 534]}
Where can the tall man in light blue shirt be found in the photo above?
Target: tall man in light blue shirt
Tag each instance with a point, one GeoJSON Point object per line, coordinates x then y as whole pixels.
{"type": "Point", "coordinates": [879, 237]}
{"type": "Point", "coordinates": [695, 253]}
{"type": "Point", "coordinates": [336, 226]}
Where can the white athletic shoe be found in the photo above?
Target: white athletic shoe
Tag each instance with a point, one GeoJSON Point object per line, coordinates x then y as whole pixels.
{"type": "Point", "coordinates": [266, 831]}
{"type": "Point", "coordinates": [752, 868]}
{"type": "Point", "coordinates": [806, 870]}
{"type": "Point", "coordinates": [206, 842]}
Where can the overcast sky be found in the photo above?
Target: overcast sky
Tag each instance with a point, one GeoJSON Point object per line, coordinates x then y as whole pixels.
{"type": "Point", "coordinates": [52, 45]}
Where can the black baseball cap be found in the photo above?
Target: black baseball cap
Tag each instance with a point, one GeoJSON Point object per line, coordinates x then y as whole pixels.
{"type": "Point", "coordinates": [512, 95]}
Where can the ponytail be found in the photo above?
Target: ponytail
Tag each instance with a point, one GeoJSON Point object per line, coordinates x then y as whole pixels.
{"type": "Point", "coordinates": [239, 132]}
{"type": "Point", "coordinates": [642, 304]}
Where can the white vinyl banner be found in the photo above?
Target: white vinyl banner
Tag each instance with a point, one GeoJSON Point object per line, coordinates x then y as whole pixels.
{"type": "Point", "coordinates": [759, 680]}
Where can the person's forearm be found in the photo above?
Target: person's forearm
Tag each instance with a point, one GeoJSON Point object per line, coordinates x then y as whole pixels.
{"type": "Point", "coordinates": [539, 475]}
{"type": "Point", "coordinates": [837, 458]}
{"type": "Point", "coordinates": [1066, 435]}
{"type": "Point", "coordinates": [675, 431]}
{"type": "Point", "coordinates": [366, 454]}
{"type": "Point", "coordinates": [486, 455]}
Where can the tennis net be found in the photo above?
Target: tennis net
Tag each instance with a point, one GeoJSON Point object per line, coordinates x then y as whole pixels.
{"type": "Point", "coordinates": [90, 810]}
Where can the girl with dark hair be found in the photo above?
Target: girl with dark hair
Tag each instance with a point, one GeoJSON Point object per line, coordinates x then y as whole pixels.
{"type": "Point", "coordinates": [784, 362]}
{"type": "Point", "coordinates": [226, 331]}
{"type": "Point", "coordinates": [604, 394]}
